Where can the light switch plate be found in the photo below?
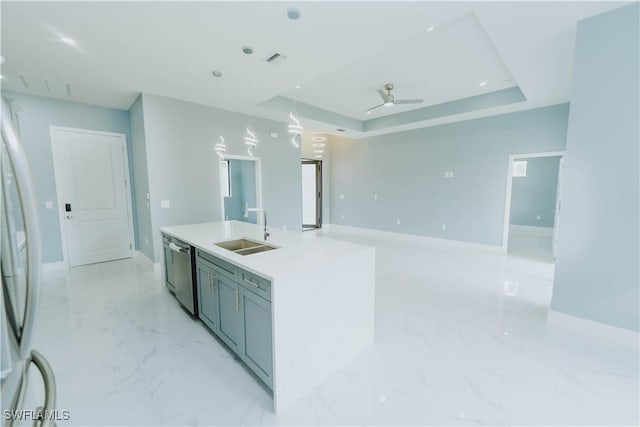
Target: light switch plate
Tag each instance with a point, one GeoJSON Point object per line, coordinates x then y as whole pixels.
{"type": "Point", "coordinates": [48, 204]}
{"type": "Point", "coordinates": [165, 204]}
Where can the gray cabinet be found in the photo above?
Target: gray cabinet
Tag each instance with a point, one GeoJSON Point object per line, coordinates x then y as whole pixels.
{"type": "Point", "coordinates": [236, 305]}
{"type": "Point", "coordinates": [207, 295]}
{"type": "Point", "coordinates": [230, 323]}
{"type": "Point", "coordinates": [257, 344]}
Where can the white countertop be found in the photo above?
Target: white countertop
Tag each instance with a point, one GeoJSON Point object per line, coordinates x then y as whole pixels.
{"type": "Point", "coordinates": [297, 251]}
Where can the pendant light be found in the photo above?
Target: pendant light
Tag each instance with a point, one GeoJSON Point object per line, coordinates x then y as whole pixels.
{"type": "Point", "coordinates": [250, 139]}
{"type": "Point", "coordinates": [295, 129]}
{"type": "Point", "coordinates": [220, 148]}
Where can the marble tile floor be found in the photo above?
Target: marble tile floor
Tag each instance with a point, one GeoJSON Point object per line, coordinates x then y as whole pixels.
{"type": "Point", "coordinates": [454, 345]}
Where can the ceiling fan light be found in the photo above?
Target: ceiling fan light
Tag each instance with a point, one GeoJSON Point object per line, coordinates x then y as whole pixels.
{"type": "Point", "coordinates": [388, 104]}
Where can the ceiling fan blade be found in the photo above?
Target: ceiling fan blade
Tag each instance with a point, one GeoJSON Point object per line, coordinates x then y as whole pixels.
{"type": "Point", "coordinates": [373, 108]}
{"type": "Point", "coordinates": [409, 101]}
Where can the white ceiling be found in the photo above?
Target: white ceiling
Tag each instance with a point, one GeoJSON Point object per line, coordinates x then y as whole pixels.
{"type": "Point", "coordinates": [338, 52]}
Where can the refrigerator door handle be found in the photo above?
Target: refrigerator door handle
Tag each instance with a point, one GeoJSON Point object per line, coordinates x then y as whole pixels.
{"type": "Point", "coordinates": [24, 185]}
{"type": "Point", "coordinates": [50, 396]}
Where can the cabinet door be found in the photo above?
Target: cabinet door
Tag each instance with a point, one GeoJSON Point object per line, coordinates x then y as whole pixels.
{"type": "Point", "coordinates": [257, 348]}
{"type": "Point", "coordinates": [168, 268]}
{"type": "Point", "coordinates": [230, 320]}
{"type": "Point", "coordinates": [207, 297]}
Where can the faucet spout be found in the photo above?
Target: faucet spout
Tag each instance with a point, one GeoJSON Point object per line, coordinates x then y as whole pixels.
{"type": "Point", "coordinates": [245, 213]}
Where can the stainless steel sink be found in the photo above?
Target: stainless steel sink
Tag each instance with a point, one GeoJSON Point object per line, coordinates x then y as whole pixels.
{"type": "Point", "coordinates": [245, 246]}
{"type": "Point", "coordinates": [235, 245]}
{"type": "Point", "coordinates": [255, 250]}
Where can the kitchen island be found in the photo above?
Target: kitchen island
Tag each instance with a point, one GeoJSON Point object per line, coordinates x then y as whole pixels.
{"type": "Point", "coordinates": [317, 293]}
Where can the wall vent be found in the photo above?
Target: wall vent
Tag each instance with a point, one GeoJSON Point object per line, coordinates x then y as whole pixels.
{"type": "Point", "coordinates": [274, 58]}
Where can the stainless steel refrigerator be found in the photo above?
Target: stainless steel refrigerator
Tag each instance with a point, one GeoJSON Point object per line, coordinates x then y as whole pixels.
{"type": "Point", "coordinates": [20, 247]}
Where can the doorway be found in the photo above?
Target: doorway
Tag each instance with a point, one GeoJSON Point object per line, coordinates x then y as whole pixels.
{"type": "Point", "coordinates": [311, 194]}
{"type": "Point", "coordinates": [240, 188]}
{"type": "Point", "coordinates": [532, 207]}
{"type": "Point", "coordinates": [94, 203]}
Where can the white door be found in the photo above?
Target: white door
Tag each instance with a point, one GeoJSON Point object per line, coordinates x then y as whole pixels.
{"type": "Point", "coordinates": [91, 181]}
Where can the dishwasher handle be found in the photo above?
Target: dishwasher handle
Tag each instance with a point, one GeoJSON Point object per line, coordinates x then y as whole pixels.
{"type": "Point", "coordinates": [177, 248]}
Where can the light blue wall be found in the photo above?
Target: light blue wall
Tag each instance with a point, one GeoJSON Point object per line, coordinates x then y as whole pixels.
{"type": "Point", "coordinates": [138, 161]}
{"type": "Point", "coordinates": [598, 256]}
{"type": "Point", "coordinates": [406, 171]}
{"type": "Point", "coordinates": [242, 174]}
{"type": "Point", "coordinates": [183, 168]}
{"type": "Point", "coordinates": [37, 115]}
{"type": "Point", "coordinates": [534, 195]}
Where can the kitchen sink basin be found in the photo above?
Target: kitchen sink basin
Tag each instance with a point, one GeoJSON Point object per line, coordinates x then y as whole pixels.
{"type": "Point", "coordinates": [255, 250]}
{"type": "Point", "coordinates": [245, 246]}
{"type": "Point", "coordinates": [240, 244]}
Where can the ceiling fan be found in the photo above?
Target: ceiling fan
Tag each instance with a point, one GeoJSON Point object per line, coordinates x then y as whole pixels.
{"type": "Point", "coordinates": [389, 100]}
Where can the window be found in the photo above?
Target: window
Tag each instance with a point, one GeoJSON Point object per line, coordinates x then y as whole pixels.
{"type": "Point", "coordinates": [225, 180]}
{"type": "Point", "coordinates": [519, 168]}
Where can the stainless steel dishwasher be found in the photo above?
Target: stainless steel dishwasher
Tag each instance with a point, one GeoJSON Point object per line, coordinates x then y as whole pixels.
{"type": "Point", "coordinates": [178, 272]}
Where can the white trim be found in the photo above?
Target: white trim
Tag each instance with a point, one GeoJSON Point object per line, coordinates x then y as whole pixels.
{"type": "Point", "coordinates": [606, 332]}
{"type": "Point", "coordinates": [531, 230]}
{"type": "Point", "coordinates": [141, 256]}
{"type": "Point", "coordinates": [507, 196]}
{"type": "Point", "coordinates": [125, 153]}
{"type": "Point", "coordinates": [258, 184]}
{"type": "Point", "coordinates": [410, 238]}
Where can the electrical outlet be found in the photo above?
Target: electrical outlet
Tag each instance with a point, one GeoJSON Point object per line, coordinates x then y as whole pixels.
{"type": "Point", "coordinates": [397, 222]}
{"type": "Point", "coordinates": [165, 204]}
{"type": "Point", "coordinates": [375, 197]}
{"type": "Point", "coordinates": [537, 217]}
{"type": "Point", "coordinates": [448, 174]}
{"type": "Point", "coordinates": [48, 204]}
{"type": "Point", "coordinates": [274, 134]}
{"type": "Point", "coordinates": [342, 216]}
{"type": "Point", "coordinates": [444, 227]}
{"type": "Point", "coordinates": [342, 196]}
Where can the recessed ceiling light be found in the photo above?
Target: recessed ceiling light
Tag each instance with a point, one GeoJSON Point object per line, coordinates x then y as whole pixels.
{"type": "Point", "coordinates": [318, 144]}
{"type": "Point", "coordinates": [431, 28]}
{"type": "Point", "coordinates": [68, 40]}
{"type": "Point", "coordinates": [318, 151]}
{"type": "Point", "coordinates": [483, 83]}
{"type": "Point", "coordinates": [216, 73]}
{"type": "Point", "coordinates": [297, 86]}
{"type": "Point", "coordinates": [368, 112]}
{"type": "Point", "coordinates": [318, 156]}
{"type": "Point", "coordinates": [294, 13]}
{"type": "Point", "coordinates": [318, 138]}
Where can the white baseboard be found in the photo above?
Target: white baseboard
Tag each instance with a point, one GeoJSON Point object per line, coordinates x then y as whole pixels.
{"type": "Point", "coordinates": [143, 257]}
{"type": "Point", "coordinates": [606, 332]}
{"type": "Point", "coordinates": [414, 238]}
{"type": "Point", "coordinates": [530, 230]}
{"type": "Point", "coordinates": [54, 266]}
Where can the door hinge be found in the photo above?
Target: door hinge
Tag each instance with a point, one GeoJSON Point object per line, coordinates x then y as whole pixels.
{"type": "Point", "coordinates": [130, 246]}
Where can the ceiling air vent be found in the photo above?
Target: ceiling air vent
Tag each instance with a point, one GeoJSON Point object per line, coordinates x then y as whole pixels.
{"type": "Point", "coordinates": [43, 85]}
{"type": "Point", "coordinates": [275, 58]}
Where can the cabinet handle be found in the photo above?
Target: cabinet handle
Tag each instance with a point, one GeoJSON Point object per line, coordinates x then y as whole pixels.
{"type": "Point", "coordinates": [252, 282]}
{"type": "Point", "coordinates": [237, 300]}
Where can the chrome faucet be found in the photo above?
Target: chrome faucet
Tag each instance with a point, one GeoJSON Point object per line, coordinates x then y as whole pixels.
{"type": "Point", "coordinates": [245, 213]}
